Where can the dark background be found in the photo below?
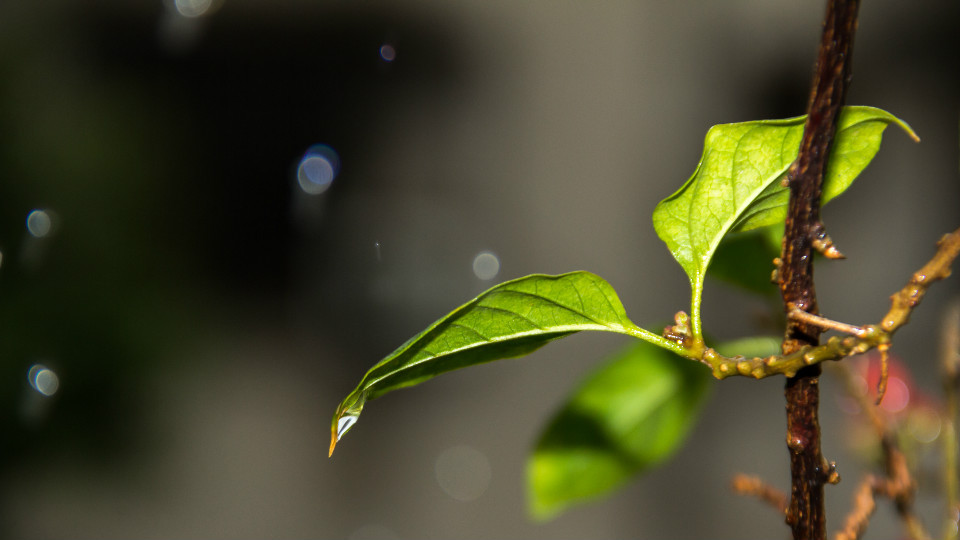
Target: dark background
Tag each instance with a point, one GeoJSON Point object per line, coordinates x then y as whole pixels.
{"type": "Point", "coordinates": [204, 315]}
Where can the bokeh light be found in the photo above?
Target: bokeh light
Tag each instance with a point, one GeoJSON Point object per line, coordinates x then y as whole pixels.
{"type": "Point", "coordinates": [318, 168]}
{"type": "Point", "coordinates": [486, 265]}
{"type": "Point", "coordinates": [463, 472]}
{"type": "Point", "coordinates": [39, 223]}
{"type": "Point", "coordinates": [897, 397]}
{"type": "Point", "coordinates": [388, 53]}
{"type": "Point", "coordinates": [43, 379]}
{"type": "Point", "coordinates": [193, 8]}
{"type": "Point", "coordinates": [924, 423]}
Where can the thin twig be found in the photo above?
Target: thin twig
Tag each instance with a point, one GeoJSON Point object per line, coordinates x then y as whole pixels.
{"type": "Point", "coordinates": [874, 336]}
{"type": "Point", "coordinates": [898, 484]}
{"type": "Point", "coordinates": [868, 407]}
{"type": "Point", "coordinates": [825, 323]}
{"type": "Point", "coordinates": [884, 372]}
{"type": "Point", "coordinates": [864, 504]}
{"type": "Point", "coordinates": [754, 486]}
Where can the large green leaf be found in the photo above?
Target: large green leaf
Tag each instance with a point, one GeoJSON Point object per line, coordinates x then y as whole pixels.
{"type": "Point", "coordinates": [509, 320]}
{"type": "Point", "coordinates": [629, 415]}
{"type": "Point", "coordinates": [737, 185]}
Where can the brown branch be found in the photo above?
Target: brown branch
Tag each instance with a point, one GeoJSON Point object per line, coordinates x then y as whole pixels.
{"type": "Point", "coordinates": [803, 227]}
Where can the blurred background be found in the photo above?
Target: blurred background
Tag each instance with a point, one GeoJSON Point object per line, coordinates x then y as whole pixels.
{"type": "Point", "coordinates": [216, 215]}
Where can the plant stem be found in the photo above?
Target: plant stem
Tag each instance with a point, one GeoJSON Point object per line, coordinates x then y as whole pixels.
{"type": "Point", "coordinates": [808, 468]}
{"type": "Point", "coordinates": [869, 337]}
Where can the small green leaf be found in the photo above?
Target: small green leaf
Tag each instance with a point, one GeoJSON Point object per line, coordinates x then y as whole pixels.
{"type": "Point", "coordinates": [736, 186]}
{"type": "Point", "coordinates": [750, 347]}
{"type": "Point", "coordinates": [628, 416]}
{"type": "Point", "coordinates": [512, 319]}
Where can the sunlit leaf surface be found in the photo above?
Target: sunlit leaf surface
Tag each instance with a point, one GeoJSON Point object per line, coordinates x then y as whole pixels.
{"type": "Point", "coordinates": [509, 320]}
{"type": "Point", "coordinates": [737, 185]}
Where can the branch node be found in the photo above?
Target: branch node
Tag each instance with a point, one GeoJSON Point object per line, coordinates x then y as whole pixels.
{"type": "Point", "coordinates": [680, 331]}
{"type": "Point", "coordinates": [822, 242]}
{"type": "Point", "coordinates": [833, 475]}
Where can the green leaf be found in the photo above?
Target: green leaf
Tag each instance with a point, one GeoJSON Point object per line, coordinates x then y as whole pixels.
{"type": "Point", "coordinates": [736, 186]}
{"type": "Point", "coordinates": [512, 319]}
{"type": "Point", "coordinates": [746, 260]}
{"type": "Point", "coordinates": [750, 347]}
{"type": "Point", "coordinates": [628, 416]}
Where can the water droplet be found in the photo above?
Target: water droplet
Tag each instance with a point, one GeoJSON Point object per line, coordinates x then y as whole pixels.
{"type": "Point", "coordinates": [39, 223]}
{"type": "Point", "coordinates": [486, 265]}
{"type": "Point", "coordinates": [376, 249]}
{"type": "Point", "coordinates": [388, 53]}
{"type": "Point", "coordinates": [344, 425]}
{"type": "Point", "coordinates": [463, 472]}
{"type": "Point", "coordinates": [43, 379]}
{"type": "Point", "coordinates": [318, 168]}
{"type": "Point", "coordinates": [796, 443]}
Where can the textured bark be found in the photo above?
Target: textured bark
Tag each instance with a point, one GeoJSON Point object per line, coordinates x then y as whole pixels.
{"type": "Point", "coordinates": [809, 470]}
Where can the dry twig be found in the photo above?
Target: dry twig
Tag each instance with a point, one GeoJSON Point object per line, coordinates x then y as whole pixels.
{"type": "Point", "coordinates": [754, 486]}
{"type": "Point", "coordinates": [897, 484]}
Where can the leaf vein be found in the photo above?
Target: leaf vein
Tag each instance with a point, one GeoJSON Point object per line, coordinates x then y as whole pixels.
{"type": "Point", "coordinates": [555, 303]}
{"type": "Point", "coordinates": [474, 330]}
{"type": "Point", "coordinates": [524, 317]}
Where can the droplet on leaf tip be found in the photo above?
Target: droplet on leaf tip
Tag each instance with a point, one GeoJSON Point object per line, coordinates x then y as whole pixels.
{"type": "Point", "coordinates": [344, 423]}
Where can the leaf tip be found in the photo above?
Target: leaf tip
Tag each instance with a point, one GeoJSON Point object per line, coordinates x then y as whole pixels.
{"type": "Point", "coordinates": [910, 132]}
{"type": "Point", "coordinates": [907, 129]}
{"type": "Point", "coordinates": [333, 444]}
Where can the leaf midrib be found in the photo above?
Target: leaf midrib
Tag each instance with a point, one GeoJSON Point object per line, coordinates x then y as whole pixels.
{"type": "Point", "coordinates": [537, 331]}
{"type": "Point", "coordinates": [703, 261]}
